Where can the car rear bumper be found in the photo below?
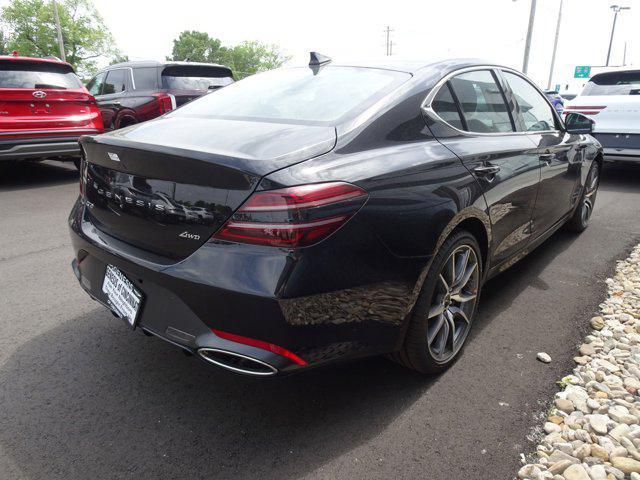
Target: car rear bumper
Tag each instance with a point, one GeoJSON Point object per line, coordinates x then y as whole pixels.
{"type": "Point", "coordinates": [238, 289]}
{"type": "Point", "coordinates": [39, 148]}
{"type": "Point", "coordinates": [622, 154]}
{"type": "Point", "coordinates": [620, 147]}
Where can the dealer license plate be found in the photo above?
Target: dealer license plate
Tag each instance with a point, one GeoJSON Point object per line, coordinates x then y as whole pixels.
{"type": "Point", "coordinates": [122, 296]}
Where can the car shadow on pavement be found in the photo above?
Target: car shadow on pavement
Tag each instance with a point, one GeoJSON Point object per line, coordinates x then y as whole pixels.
{"type": "Point", "coordinates": [89, 399]}
{"type": "Point", "coordinates": [620, 177]}
{"type": "Point", "coordinates": [24, 175]}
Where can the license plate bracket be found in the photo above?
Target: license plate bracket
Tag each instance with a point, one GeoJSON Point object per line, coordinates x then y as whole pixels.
{"type": "Point", "coordinates": [123, 297]}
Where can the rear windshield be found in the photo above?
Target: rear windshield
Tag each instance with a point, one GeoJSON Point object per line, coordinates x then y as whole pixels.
{"type": "Point", "coordinates": [19, 74]}
{"type": "Point", "coordinates": [298, 95]}
{"type": "Point", "coordinates": [185, 77]}
{"type": "Point", "coordinates": [614, 83]}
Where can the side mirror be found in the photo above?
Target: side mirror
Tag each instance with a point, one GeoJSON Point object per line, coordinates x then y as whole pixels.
{"type": "Point", "coordinates": [578, 123]}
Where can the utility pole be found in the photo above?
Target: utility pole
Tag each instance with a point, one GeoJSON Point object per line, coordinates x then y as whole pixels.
{"type": "Point", "coordinates": [624, 55]}
{"type": "Point", "coordinates": [555, 47]}
{"type": "Point", "coordinates": [527, 45]}
{"type": "Point", "coordinates": [388, 31]}
{"type": "Point", "coordinates": [616, 9]}
{"type": "Point", "coordinates": [60, 41]}
{"type": "Point", "coordinates": [391, 47]}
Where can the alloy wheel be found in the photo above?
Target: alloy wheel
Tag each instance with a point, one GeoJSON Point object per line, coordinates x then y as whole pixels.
{"type": "Point", "coordinates": [453, 304]}
{"type": "Point", "coordinates": [591, 189]}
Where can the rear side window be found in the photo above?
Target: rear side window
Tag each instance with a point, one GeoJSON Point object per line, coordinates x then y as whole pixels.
{"type": "Point", "coordinates": [145, 78]}
{"type": "Point", "coordinates": [195, 77]}
{"type": "Point", "coordinates": [536, 112]}
{"type": "Point", "coordinates": [614, 83]}
{"type": "Point", "coordinates": [445, 106]}
{"type": "Point", "coordinates": [115, 82]}
{"type": "Point", "coordinates": [95, 84]}
{"type": "Point", "coordinates": [37, 75]}
{"type": "Point", "coordinates": [482, 102]}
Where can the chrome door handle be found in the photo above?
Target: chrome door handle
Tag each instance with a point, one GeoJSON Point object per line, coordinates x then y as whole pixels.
{"type": "Point", "coordinates": [484, 170]}
{"type": "Point", "coordinates": [116, 102]}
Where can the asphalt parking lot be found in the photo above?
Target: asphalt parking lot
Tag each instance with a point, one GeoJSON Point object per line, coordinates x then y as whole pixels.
{"type": "Point", "coordinates": [83, 397]}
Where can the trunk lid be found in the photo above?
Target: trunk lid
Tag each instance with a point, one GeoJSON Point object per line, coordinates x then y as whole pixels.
{"type": "Point", "coordinates": [167, 185]}
{"type": "Point", "coordinates": [24, 109]}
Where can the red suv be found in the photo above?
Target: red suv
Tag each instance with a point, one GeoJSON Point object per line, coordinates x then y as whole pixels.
{"type": "Point", "coordinates": [133, 92]}
{"type": "Point", "coordinates": [44, 109]}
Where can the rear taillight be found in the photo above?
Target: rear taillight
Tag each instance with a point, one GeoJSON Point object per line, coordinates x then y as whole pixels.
{"type": "Point", "coordinates": [583, 109]}
{"type": "Point", "coordinates": [293, 217]}
{"type": "Point", "coordinates": [252, 342]}
{"type": "Point", "coordinates": [166, 102]}
{"type": "Point", "coordinates": [96, 116]}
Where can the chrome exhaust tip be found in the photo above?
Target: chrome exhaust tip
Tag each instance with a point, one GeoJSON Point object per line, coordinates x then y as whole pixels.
{"type": "Point", "coordinates": [237, 362]}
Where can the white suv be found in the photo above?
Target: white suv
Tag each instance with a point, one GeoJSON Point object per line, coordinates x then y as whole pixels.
{"type": "Point", "coordinates": [612, 100]}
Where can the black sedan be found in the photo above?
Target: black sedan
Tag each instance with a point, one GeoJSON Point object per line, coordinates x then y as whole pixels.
{"type": "Point", "coordinates": [310, 215]}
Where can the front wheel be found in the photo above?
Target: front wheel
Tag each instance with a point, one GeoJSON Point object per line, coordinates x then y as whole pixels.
{"type": "Point", "coordinates": [580, 219]}
{"type": "Point", "coordinates": [444, 312]}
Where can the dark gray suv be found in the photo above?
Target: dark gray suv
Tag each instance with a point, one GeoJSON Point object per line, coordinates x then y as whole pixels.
{"type": "Point", "coordinates": [133, 92]}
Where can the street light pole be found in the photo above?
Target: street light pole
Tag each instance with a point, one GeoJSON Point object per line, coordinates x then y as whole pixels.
{"type": "Point", "coordinates": [527, 45]}
{"type": "Point", "coordinates": [555, 47]}
{"type": "Point", "coordinates": [60, 41]}
{"type": "Point", "coordinates": [616, 9]}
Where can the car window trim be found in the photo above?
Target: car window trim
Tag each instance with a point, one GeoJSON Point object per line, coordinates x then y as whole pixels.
{"type": "Point", "coordinates": [501, 82]}
{"type": "Point", "coordinates": [456, 102]}
{"type": "Point", "coordinates": [130, 82]}
{"type": "Point", "coordinates": [427, 108]}
{"type": "Point", "coordinates": [554, 112]}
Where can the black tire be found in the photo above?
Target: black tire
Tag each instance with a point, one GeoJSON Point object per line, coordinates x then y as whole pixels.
{"type": "Point", "coordinates": [580, 220]}
{"type": "Point", "coordinates": [418, 351]}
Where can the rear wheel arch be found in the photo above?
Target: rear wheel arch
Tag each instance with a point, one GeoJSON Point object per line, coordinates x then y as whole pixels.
{"type": "Point", "coordinates": [599, 160]}
{"type": "Point", "coordinates": [478, 229]}
{"type": "Point", "coordinates": [474, 221]}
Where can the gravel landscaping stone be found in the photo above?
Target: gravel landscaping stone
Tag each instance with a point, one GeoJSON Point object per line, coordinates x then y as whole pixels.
{"type": "Point", "coordinates": [543, 357]}
{"type": "Point", "coordinates": [592, 431]}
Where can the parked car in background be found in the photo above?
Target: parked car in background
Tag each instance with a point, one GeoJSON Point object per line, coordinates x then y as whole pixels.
{"type": "Point", "coordinates": [134, 92]}
{"type": "Point", "coordinates": [349, 210]}
{"type": "Point", "coordinates": [612, 100]}
{"type": "Point", "coordinates": [44, 109]}
{"type": "Point", "coordinates": [556, 100]}
{"type": "Point", "coordinates": [568, 96]}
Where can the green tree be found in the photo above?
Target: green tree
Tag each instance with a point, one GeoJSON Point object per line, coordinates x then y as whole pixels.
{"type": "Point", "coordinates": [248, 58]}
{"type": "Point", "coordinates": [244, 59]}
{"type": "Point", "coordinates": [119, 58]}
{"type": "Point", "coordinates": [31, 31]}
{"type": "Point", "coordinates": [194, 46]}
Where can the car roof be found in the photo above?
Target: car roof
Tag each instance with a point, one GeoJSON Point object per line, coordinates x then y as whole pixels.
{"type": "Point", "coordinates": [414, 66]}
{"type": "Point", "coordinates": [18, 58]}
{"type": "Point", "coordinates": [156, 63]}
